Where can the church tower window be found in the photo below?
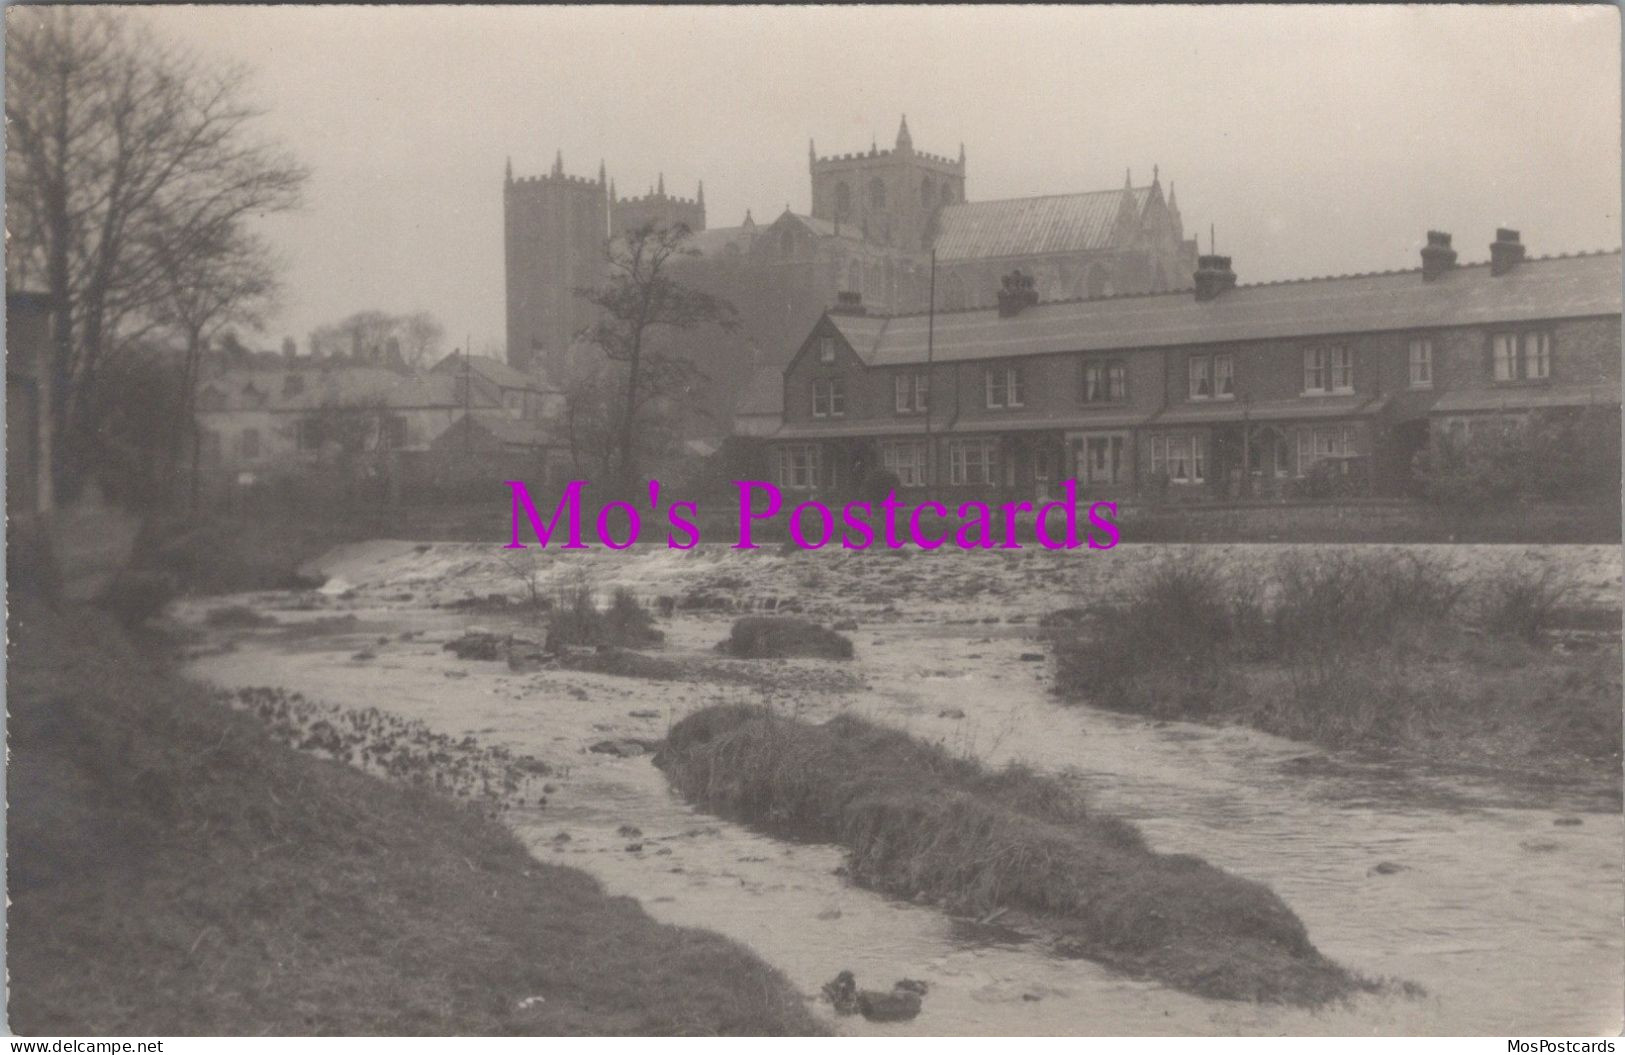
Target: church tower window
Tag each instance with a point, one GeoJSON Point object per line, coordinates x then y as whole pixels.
{"type": "Point", "coordinates": [877, 193]}
{"type": "Point", "coordinates": [843, 200]}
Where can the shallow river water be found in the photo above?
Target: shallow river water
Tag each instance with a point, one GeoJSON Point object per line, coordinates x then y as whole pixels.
{"type": "Point", "coordinates": [1510, 921]}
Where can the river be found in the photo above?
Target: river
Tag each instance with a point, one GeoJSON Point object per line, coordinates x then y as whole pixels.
{"type": "Point", "coordinates": [1509, 920]}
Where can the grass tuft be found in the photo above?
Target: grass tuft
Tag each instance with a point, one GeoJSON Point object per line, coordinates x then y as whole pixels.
{"type": "Point", "coordinates": [923, 824]}
{"type": "Point", "coordinates": [778, 636]}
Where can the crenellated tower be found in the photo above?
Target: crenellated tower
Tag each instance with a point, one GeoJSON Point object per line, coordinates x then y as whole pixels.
{"type": "Point", "coordinates": [554, 230]}
{"type": "Point", "coordinates": [891, 196]}
{"type": "Point", "coordinates": [659, 208]}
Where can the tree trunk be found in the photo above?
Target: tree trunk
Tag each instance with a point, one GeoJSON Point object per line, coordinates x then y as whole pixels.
{"type": "Point", "coordinates": [629, 462]}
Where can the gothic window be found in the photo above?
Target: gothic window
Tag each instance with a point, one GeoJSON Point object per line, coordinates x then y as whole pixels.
{"type": "Point", "coordinates": [843, 199]}
{"type": "Point", "coordinates": [877, 194]}
{"type": "Point", "coordinates": [854, 277]}
{"type": "Point", "coordinates": [947, 194]}
{"type": "Point", "coordinates": [928, 192]}
{"type": "Point", "coordinates": [787, 243]}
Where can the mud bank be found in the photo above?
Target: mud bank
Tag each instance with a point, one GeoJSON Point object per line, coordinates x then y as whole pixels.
{"type": "Point", "coordinates": [924, 825]}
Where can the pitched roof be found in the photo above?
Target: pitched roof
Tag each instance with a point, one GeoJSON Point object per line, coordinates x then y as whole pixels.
{"type": "Point", "coordinates": [1056, 223]}
{"type": "Point", "coordinates": [1522, 397]}
{"type": "Point", "coordinates": [715, 241]}
{"type": "Point", "coordinates": [493, 370]}
{"type": "Point", "coordinates": [1539, 288]}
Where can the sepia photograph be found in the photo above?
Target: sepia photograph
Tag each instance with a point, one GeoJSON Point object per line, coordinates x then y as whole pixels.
{"type": "Point", "coordinates": [817, 521]}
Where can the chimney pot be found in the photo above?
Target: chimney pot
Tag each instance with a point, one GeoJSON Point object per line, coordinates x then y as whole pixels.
{"type": "Point", "coordinates": [1017, 291]}
{"type": "Point", "coordinates": [1213, 276]}
{"type": "Point", "coordinates": [1437, 256]}
{"type": "Point", "coordinates": [1506, 252]}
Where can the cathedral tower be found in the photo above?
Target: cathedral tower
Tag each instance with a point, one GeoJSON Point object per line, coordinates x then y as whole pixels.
{"type": "Point", "coordinates": [554, 231]}
{"type": "Point", "coordinates": [892, 196]}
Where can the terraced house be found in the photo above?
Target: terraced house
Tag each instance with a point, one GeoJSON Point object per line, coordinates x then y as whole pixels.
{"type": "Point", "coordinates": [1217, 391]}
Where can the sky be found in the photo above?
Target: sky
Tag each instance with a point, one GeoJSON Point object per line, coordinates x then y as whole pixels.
{"type": "Point", "coordinates": [1310, 140]}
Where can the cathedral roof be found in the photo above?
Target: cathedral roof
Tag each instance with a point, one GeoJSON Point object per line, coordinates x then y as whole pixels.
{"type": "Point", "coordinates": [1056, 223]}
{"type": "Point", "coordinates": [1538, 289]}
{"type": "Point", "coordinates": [714, 241]}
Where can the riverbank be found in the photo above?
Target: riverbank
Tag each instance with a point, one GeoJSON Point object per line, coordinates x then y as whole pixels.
{"type": "Point", "coordinates": [173, 868]}
{"type": "Point", "coordinates": [1393, 657]}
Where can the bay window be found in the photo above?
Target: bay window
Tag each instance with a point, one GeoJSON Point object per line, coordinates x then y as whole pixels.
{"type": "Point", "coordinates": [970, 461]}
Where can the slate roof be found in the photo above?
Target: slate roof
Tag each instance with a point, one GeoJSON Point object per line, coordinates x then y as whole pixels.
{"type": "Point", "coordinates": [715, 241]}
{"type": "Point", "coordinates": [1056, 223]}
{"type": "Point", "coordinates": [1519, 397]}
{"type": "Point", "coordinates": [1272, 410]}
{"type": "Point", "coordinates": [1539, 288]}
{"type": "Point", "coordinates": [493, 370]}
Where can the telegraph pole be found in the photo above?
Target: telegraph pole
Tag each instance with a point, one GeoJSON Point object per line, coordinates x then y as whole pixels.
{"type": "Point", "coordinates": [930, 381]}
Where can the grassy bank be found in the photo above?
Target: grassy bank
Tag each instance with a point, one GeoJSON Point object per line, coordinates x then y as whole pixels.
{"type": "Point", "coordinates": [1383, 653]}
{"type": "Point", "coordinates": [921, 823]}
{"type": "Point", "coordinates": [174, 870]}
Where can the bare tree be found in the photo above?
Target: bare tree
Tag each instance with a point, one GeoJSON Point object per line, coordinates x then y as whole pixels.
{"type": "Point", "coordinates": [374, 335]}
{"type": "Point", "coordinates": [639, 300]}
{"type": "Point", "coordinates": [209, 281]}
{"type": "Point", "coordinates": [121, 145]}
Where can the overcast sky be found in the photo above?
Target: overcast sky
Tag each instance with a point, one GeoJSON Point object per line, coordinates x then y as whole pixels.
{"type": "Point", "coordinates": [1316, 140]}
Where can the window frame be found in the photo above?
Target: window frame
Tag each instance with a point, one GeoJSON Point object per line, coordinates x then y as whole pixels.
{"type": "Point", "coordinates": [910, 472]}
{"type": "Point", "coordinates": [1192, 451]}
{"type": "Point", "coordinates": [830, 392]}
{"type": "Point", "coordinates": [1206, 368]}
{"type": "Point", "coordinates": [791, 472]}
{"type": "Point", "coordinates": [1529, 346]}
{"type": "Point", "coordinates": [1322, 363]}
{"type": "Point", "coordinates": [1111, 381]}
{"type": "Point", "coordinates": [960, 463]}
{"type": "Point", "coordinates": [1421, 378]}
{"type": "Point", "coordinates": [1010, 383]}
{"type": "Point", "coordinates": [911, 391]}
{"type": "Point", "coordinates": [826, 349]}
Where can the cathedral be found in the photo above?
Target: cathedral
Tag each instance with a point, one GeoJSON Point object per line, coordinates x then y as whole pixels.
{"type": "Point", "coordinates": [876, 218]}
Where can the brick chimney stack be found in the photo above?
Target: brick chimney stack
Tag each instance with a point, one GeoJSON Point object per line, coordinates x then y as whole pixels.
{"type": "Point", "coordinates": [1506, 252]}
{"type": "Point", "coordinates": [848, 303]}
{"type": "Point", "coordinates": [1437, 256]}
{"type": "Point", "coordinates": [1213, 276]}
{"type": "Point", "coordinates": [1018, 291]}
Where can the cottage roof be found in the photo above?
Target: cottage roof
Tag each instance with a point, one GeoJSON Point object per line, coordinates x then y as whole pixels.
{"type": "Point", "coordinates": [1537, 289]}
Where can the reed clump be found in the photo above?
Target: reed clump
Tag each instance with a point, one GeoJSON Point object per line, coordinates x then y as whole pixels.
{"type": "Point", "coordinates": [924, 824]}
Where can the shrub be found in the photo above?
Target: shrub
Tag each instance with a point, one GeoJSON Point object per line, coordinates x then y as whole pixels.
{"type": "Point", "coordinates": [576, 621]}
{"type": "Point", "coordinates": [877, 484]}
{"type": "Point", "coordinates": [1518, 602]}
{"type": "Point", "coordinates": [774, 636]}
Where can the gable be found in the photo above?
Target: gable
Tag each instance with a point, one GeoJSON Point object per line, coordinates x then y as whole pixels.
{"type": "Point", "coordinates": [807, 356]}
